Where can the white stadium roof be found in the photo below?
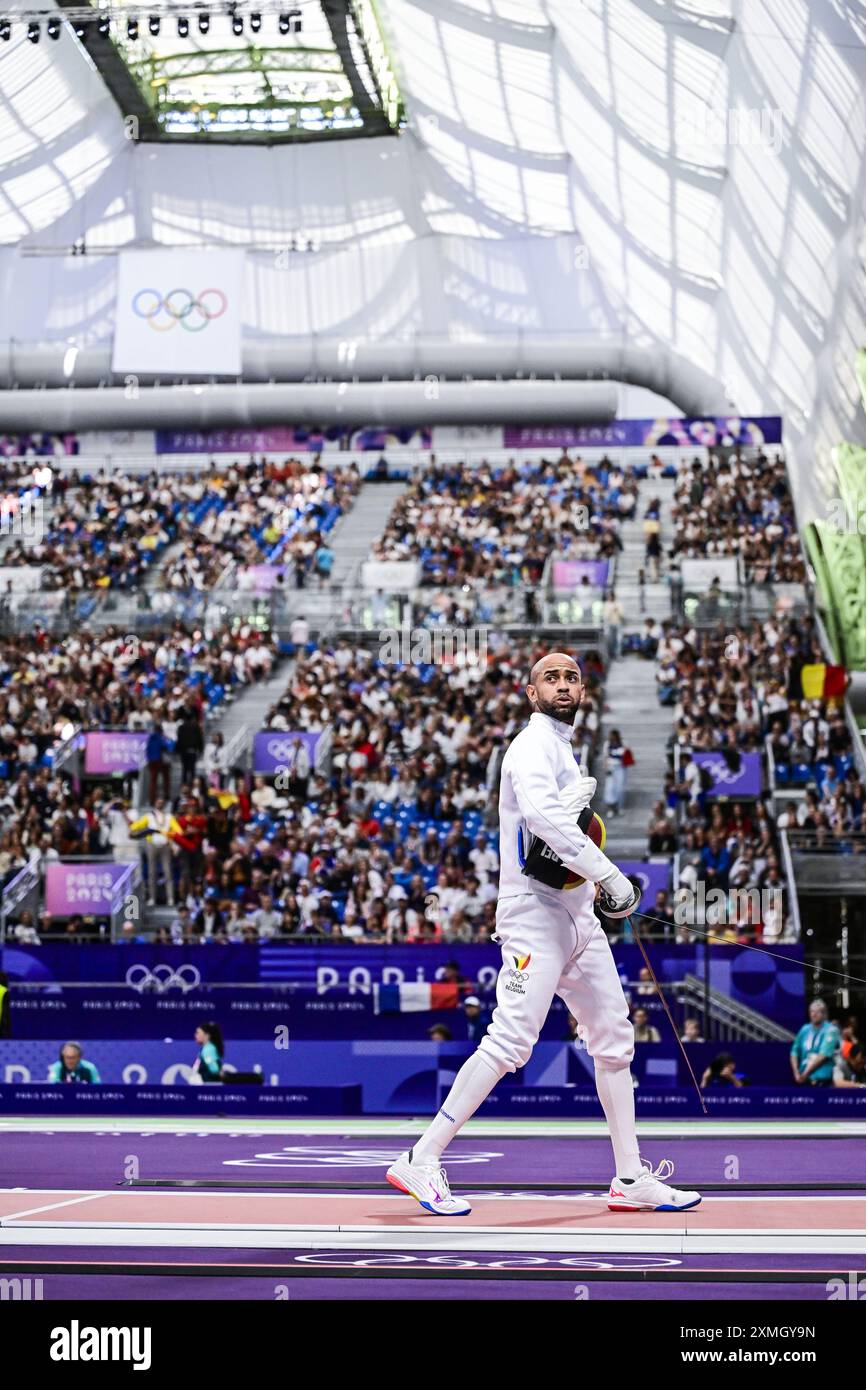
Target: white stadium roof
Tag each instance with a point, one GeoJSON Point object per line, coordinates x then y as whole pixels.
{"type": "Point", "coordinates": [676, 175]}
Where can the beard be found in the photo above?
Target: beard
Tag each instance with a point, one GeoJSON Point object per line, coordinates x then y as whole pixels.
{"type": "Point", "coordinates": [564, 712]}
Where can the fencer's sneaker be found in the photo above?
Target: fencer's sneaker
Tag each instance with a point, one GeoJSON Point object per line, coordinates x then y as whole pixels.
{"type": "Point", "coordinates": [650, 1192]}
{"type": "Point", "coordinates": [427, 1183]}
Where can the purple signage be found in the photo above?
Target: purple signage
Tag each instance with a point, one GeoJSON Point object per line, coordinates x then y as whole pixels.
{"type": "Point", "coordinates": [570, 574]}
{"type": "Point", "coordinates": [109, 753]}
{"type": "Point", "coordinates": [286, 439]}
{"type": "Point", "coordinates": [258, 579]}
{"type": "Point", "coordinates": [666, 430]}
{"type": "Point", "coordinates": [653, 878]}
{"type": "Point", "coordinates": [277, 440]}
{"type": "Point", "coordinates": [274, 749]}
{"type": "Point", "coordinates": [745, 781]}
{"type": "Point", "coordinates": [384, 436]}
{"type": "Point", "coordinates": [81, 888]}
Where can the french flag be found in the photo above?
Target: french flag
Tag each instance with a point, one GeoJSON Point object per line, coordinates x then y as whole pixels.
{"type": "Point", "coordinates": [413, 998]}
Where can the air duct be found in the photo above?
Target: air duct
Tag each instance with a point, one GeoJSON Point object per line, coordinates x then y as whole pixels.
{"type": "Point", "coordinates": [342, 403]}
{"type": "Point", "coordinates": [314, 358]}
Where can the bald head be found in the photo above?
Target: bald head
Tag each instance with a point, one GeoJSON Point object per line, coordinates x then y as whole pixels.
{"type": "Point", "coordinates": [555, 687]}
{"type": "Point", "coordinates": [552, 662]}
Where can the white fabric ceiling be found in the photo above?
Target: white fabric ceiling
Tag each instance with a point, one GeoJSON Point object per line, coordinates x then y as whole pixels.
{"type": "Point", "coordinates": [570, 167]}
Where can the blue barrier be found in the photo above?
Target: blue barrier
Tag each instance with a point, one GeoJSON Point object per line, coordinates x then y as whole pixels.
{"type": "Point", "coordinates": [773, 987]}
{"type": "Point", "coordinates": [749, 1103]}
{"type": "Point", "coordinates": [397, 1076]}
{"type": "Point", "coordinates": [337, 1016]}
{"type": "Point", "coordinates": [506, 1102]}
{"type": "Point", "coordinates": [112, 1012]}
{"type": "Point", "coordinates": [188, 1100]}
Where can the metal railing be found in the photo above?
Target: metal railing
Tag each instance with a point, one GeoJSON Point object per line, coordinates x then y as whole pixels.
{"type": "Point", "coordinates": [26, 881]}
{"type": "Point", "coordinates": [858, 740]}
{"type": "Point", "coordinates": [125, 888]}
{"type": "Point", "coordinates": [401, 457]}
{"type": "Point", "coordinates": [583, 605]}
{"type": "Point", "coordinates": [359, 609]}
{"type": "Point", "coordinates": [427, 607]}
{"type": "Point", "coordinates": [226, 576]}
{"type": "Point", "coordinates": [66, 751]}
{"type": "Point", "coordinates": [791, 881]}
{"type": "Point", "coordinates": [771, 762]}
{"type": "Point", "coordinates": [139, 612]}
{"type": "Point", "coordinates": [731, 1019]}
{"type": "Point", "coordinates": [748, 603]}
{"type": "Point", "coordinates": [826, 840]}
{"type": "Point", "coordinates": [237, 750]}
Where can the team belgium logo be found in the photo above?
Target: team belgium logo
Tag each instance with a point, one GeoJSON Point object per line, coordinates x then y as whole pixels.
{"type": "Point", "coordinates": [519, 975]}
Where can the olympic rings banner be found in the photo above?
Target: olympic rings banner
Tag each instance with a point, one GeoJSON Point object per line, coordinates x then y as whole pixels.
{"type": "Point", "coordinates": [179, 312]}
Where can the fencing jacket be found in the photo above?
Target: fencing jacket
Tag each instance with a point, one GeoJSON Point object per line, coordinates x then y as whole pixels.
{"type": "Point", "coordinates": [538, 792]}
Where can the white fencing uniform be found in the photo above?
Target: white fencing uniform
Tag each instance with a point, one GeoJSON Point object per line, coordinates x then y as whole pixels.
{"type": "Point", "coordinates": [552, 942]}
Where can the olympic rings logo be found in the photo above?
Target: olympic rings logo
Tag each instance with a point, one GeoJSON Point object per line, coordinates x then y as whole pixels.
{"type": "Point", "coordinates": [720, 772]}
{"type": "Point", "coordinates": [164, 312]}
{"type": "Point", "coordinates": [162, 978]}
{"type": "Point", "coordinates": [281, 749]}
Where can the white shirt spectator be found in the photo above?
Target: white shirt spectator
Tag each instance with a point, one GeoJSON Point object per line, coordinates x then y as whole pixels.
{"type": "Point", "coordinates": [123, 846]}
{"type": "Point", "coordinates": [267, 922]}
{"type": "Point", "coordinates": [484, 861]}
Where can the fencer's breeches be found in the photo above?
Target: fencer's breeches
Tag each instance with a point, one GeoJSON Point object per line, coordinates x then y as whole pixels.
{"type": "Point", "coordinates": [554, 945]}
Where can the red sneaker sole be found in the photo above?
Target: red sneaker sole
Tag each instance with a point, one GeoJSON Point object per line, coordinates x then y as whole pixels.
{"type": "Point", "coordinates": [399, 1186]}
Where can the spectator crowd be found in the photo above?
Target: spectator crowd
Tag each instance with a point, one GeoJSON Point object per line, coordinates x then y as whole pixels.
{"type": "Point", "coordinates": [392, 837]}
{"type": "Point", "coordinates": [106, 532]}
{"type": "Point", "coordinates": [739, 506]}
{"type": "Point", "coordinates": [498, 525]}
{"type": "Point", "coordinates": [739, 691]}
{"type": "Point", "coordinates": [51, 687]}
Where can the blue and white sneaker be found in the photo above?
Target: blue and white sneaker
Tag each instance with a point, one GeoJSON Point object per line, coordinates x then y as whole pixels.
{"type": "Point", "coordinates": [649, 1192]}
{"type": "Point", "coordinates": [427, 1183]}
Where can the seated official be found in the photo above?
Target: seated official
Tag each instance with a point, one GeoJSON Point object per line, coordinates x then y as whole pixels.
{"type": "Point", "coordinates": [72, 1066]}
{"type": "Point", "coordinates": [211, 1050]}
